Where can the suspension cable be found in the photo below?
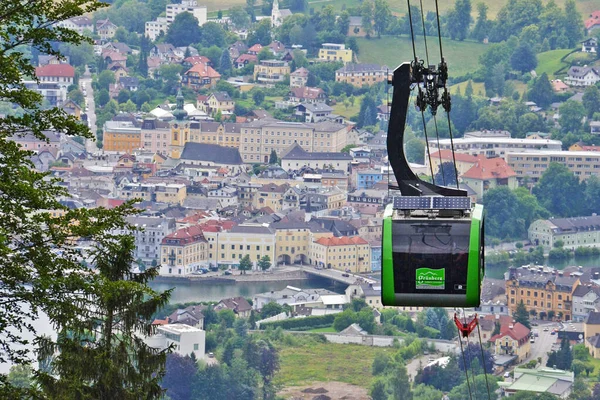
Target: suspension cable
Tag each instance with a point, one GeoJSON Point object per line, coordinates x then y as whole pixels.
{"type": "Point", "coordinates": [462, 351]}
{"type": "Point", "coordinates": [427, 143]}
{"type": "Point", "coordinates": [412, 33]}
{"type": "Point", "coordinates": [452, 145]}
{"type": "Point", "coordinates": [424, 36]}
{"type": "Point", "coordinates": [470, 360]}
{"type": "Point", "coordinates": [483, 362]}
{"type": "Point", "coordinates": [437, 13]}
{"type": "Point", "coordinates": [439, 150]}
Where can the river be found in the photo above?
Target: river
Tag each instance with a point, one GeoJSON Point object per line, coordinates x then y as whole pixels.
{"type": "Point", "coordinates": [201, 291]}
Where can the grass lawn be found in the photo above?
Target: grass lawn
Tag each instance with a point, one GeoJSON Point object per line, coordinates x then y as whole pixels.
{"type": "Point", "coordinates": [326, 362]}
{"type": "Point", "coordinates": [340, 109]}
{"type": "Point", "coordinates": [478, 88]}
{"type": "Point", "coordinates": [462, 57]}
{"type": "Point", "coordinates": [549, 62]}
{"type": "Point", "coordinates": [329, 329]}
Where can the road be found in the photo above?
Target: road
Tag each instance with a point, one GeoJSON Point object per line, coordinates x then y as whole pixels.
{"type": "Point", "coordinates": [543, 343]}
{"type": "Point", "coordinates": [335, 274]}
{"type": "Point", "coordinates": [86, 83]}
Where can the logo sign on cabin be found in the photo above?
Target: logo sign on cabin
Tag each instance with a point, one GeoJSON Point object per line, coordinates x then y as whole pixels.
{"type": "Point", "coordinates": [433, 279]}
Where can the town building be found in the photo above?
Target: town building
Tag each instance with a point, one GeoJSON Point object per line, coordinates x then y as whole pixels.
{"type": "Point", "coordinates": [212, 155]}
{"type": "Point", "coordinates": [582, 76]}
{"type": "Point", "coordinates": [361, 74]}
{"type": "Point", "coordinates": [148, 236]}
{"type": "Point", "coordinates": [351, 254]}
{"type": "Point", "coordinates": [191, 315]}
{"type": "Point", "coordinates": [170, 193]}
{"type": "Point", "coordinates": [591, 333]}
{"type": "Point", "coordinates": [60, 74]}
{"type": "Point", "coordinates": [299, 78]}
{"type": "Point", "coordinates": [313, 111]}
{"type": "Point", "coordinates": [464, 162]}
{"type": "Point", "coordinates": [595, 127]}
{"type": "Point", "coordinates": [274, 196]}
{"type": "Point", "coordinates": [292, 296]}
{"type": "Point", "coordinates": [293, 241]}
{"type": "Point", "coordinates": [200, 76]}
{"type": "Point", "coordinates": [545, 291]}
{"type": "Point", "coordinates": [586, 298]}
{"type": "Point", "coordinates": [589, 45]}
{"type": "Point", "coordinates": [245, 59]}
{"type": "Point", "coordinates": [583, 164]}
{"type": "Point", "coordinates": [593, 22]}
{"type": "Point", "coordinates": [223, 134]}
{"type": "Point", "coordinates": [513, 340]}
{"type": "Point", "coordinates": [335, 52]}
{"type": "Point", "coordinates": [105, 29]}
{"type": "Point", "coordinates": [30, 142]}
{"type": "Point", "coordinates": [220, 101]}
{"type": "Point", "coordinates": [491, 146]}
{"type": "Point", "coordinates": [355, 28]}
{"type": "Point", "coordinates": [78, 24]}
{"type": "Point", "coordinates": [182, 338]}
{"type": "Point", "coordinates": [573, 232]}
{"type": "Point", "coordinates": [121, 136]}
{"type": "Point", "coordinates": [155, 136]}
{"type": "Point", "coordinates": [489, 173]}
{"type": "Point", "coordinates": [540, 380]}
{"type": "Point", "coordinates": [367, 201]}
{"type": "Point", "coordinates": [277, 15]}
{"type": "Point", "coordinates": [367, 178]}
{"type": "Point", "coordinates": [271, 71]}
{"type": "Point", "coordinates": [183, 252]}
{"type": "Point", "coordinates": [305, 94]}
{"type": "Point", "coordinates": [153, 29]}
{"type": "Point", "coordinates": [190, 6]}
{"type": "Point", "coordinates": [230, 246]}
{"type": "Point", "coordinates": [239, 305]}
{"type": "Point", "coordinates": [261, 137]}
{"type": "Point", "coordinates": [296, 158]}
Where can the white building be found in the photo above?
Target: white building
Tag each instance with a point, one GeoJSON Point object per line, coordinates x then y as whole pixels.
{"type": "Point", "coordinates": [151, 232]}
{"type": "Point", "coordinates": [494, 146]}
{"type": "Point", "coordinates": [296, 297]}
{"type": "Point", "coordinates": [191, 6]}
{"type": "Point", "coordinates": [153, 29]}
{"type": "Point", "coordinates": [184, 338]}
{"type": "Point", "coordinates": [582, 76]}
{"type": "Point", "coordinates": [78, 24]}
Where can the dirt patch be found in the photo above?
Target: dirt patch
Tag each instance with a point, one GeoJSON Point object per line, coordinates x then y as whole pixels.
{"type": "Point", "coordinates": [325, 391]}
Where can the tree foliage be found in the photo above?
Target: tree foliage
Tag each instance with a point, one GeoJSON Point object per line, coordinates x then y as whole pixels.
{"type": "Point", "coordinates": [184, 30]}
{"type": "Point", "coordinates": [521, 315]}
{"type": "Point", "coordinates": [180, 372]}
{"type": "Point", "coordinates": [559, 191]}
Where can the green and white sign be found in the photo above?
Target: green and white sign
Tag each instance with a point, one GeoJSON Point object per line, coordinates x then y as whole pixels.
{"type": "Point", "coordinates": [428, 278]}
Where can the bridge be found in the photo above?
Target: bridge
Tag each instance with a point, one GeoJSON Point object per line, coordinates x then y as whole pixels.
{"type": "Point", "coordinates": [335, 275]}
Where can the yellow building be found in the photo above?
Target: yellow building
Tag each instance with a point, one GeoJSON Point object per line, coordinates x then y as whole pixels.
{"type": "Point", "coordinates": [344, 253]}
{"type": "Point", "coordinates": [513, 340]}
{"type": "Point", "coordinates": [336, 199]}
{"type": "Point", "coordinates": [160, 192]}
{"type": "Point", "coordinates": [220, 101]}
{"type": "Point", "coordinates": [293, 241]}
{"type": "Point", "coordinates": [229, 247]}
{"type": "Point", "coordinates": [224, 134]}
{"type": "Point", "coordinates": [183, 252]}
{"type": "Point", "coordinates": [361, 74]}
{"type": "Point", "coordinates": [545, 291]}
{"type": "Point", "coordinates": [335, 52]}
{"type": "Point", "coordinates": [121, 136]}
{"type": "Point", "coordinates": [591, 333]}
{"type": "Point", "coordinates": [270, 195]}
{"type": "Point", "coordinates": [271, 71]}
{"type": "Point", "coordinates": [180, 135]}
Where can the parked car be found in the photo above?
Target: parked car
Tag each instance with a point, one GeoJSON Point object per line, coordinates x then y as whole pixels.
{"type": "Point", "coordinates": [546, 329]}
{"type": "Point", "coordinates": [346, 275]}
{"type": "Point", "coordinates": [227, 273]}
{"type": "Point", "coordinates": [211, 355]}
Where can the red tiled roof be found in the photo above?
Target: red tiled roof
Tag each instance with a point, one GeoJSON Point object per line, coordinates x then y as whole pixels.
{"type": "Point", "coordinates": [301, 72]}
{"type": "Point", "coordinates": [63, 70]}
{"type": "Point", "coordinates": [197, 59]}
{"type": "Point", "coordinates": [306, 92]}
{"type": "Point", "coordinates": [518, 332]}
{"type": "Point", "coordinates": [594, 19]}
{"type": "Point", "coordinates": [256, 48]}
{"type": "Point", "coordinates": [246, 57]}
{"type": "Point", "coordinates": [114, 56]}
{"type": "Point", "coordinates": [341, 241]}
{"type": "Point", "coordinates": [203, 70]}
{"type": "Point", "coordinates": [489, 168]}
{"type": "Point", "coordinates": [447, 155]}
{"type": "Point", "coordinates": [185, 236]}
{"type": "Point", "coordinates": [559, 85]}
{"type": "Point", "coordinates": [112, 203]}
{"type": "Point", "coordinates": [160, 322]}
{"type": "Point", "coordinates": [202, 98]}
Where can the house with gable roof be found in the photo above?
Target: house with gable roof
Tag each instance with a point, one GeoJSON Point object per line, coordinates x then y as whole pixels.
{"type": "Point", "coordinates": [586, 298]}
{"type": "Point", "coordinates": [238, 305]}
{"type": "Point", "coordinates": [183, 252]}
{"type": "Point", "coordinates": [593, 22]}
{"type": "Point", "coordinates": [307, 94]}
{"type": "Point", "coordinates": [540, 380]}
{"type": "Point", "coordinates": [191, 316]}
{"type": "Point", "coordinates": [200, 76]}
{"type": "Point", "coordinates": [489, 173]}
{"type": "Point", "coordinates": [299, 78]}
{"type": "Point", "coordinates": [573, 232]}
{"type": "Point", "coordinates": [350, 254]}
{"type": "Point", "coordinates": [296, 158]}
{"type": "Point", "coordinates": [513, 340]}
{"type": "Point", "coordinates": [582, 76]}
{"type": "Point", "coordinates": [105, 29]}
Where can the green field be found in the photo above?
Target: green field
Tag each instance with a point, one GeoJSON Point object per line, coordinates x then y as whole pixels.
{"type": "Point", "coordinates": [549, 62]}
{"type": "Point", "coordinates": [398, 7]}
{"type": "Point", "coordinates": [329, 329]}
{"type": "Point", "coordinates": [341, 109]}
{"type": "Point", "coordinates": [462, 57]}
{"type": "Point", "coordinates": [327, 362]}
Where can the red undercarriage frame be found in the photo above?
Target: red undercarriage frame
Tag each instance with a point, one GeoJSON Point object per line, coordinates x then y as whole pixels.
{"type": "Point", "coordinates": [466, 328]}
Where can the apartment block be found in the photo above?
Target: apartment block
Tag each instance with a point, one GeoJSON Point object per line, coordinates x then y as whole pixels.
{"type": "Point", "coordinates": [121, 136]}
{"type": "Point", "coordinates": [293, 241]}
{"type": "Point", "coordinates": [155, 136]}
{"type": "Point", "coordinates": [171, 193]}
{"type": "Point", "coordinates": [150, 233]}
{"type": "Point", "coordinates": [153, 29]}
{"type": "Point", "coordinates": [573, 232]}
{"type": "Point", "coordinates": [182, 338]}
{"type": "Point", "coordinates": [229, 247]}
{"type": "Point", "coordinates": [533, 164]}
{"type": "Point", "coordinates": [223, 134]}
{"type": "Point", "coordinates": [543, 290]}
{"type": "Point", "coordinates": [495, 146]}
{"type": "Point", "coordinates": [271, 71]}
{"type": "Point", "coordinates": [191, 6]}
{"type": "Point", "coordinates": [335, 52]}
{"type": "Point", "coordinates": [183, 252]}
{"type": "Point", "coordinates": [361, 74]}
{"type": "Point", "coordinates": [352, 254]}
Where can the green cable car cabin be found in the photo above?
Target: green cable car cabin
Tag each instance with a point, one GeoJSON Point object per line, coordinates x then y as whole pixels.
{"type": "Point", "coordinates": [433, 241]}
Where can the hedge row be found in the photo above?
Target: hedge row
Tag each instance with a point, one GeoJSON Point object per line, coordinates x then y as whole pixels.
{"type": "Point", "coordinates": [306, 323]}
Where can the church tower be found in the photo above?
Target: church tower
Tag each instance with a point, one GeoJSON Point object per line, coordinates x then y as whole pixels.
{"type": "Point", "coordinates": [275, 16]}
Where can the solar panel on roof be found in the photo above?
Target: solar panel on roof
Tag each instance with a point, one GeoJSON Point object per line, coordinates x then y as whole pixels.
{"type": "Point", "coordinates": [451, 203]}
{"type": "Point", "coordinates": [412, 203]}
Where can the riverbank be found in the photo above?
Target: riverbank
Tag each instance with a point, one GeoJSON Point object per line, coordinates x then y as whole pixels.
{"type": "Point", "coordinates": [275, 276]}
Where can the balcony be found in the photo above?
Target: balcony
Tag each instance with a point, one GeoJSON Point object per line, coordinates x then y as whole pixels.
{"type": "Point", "coordinates": [270, 78]}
